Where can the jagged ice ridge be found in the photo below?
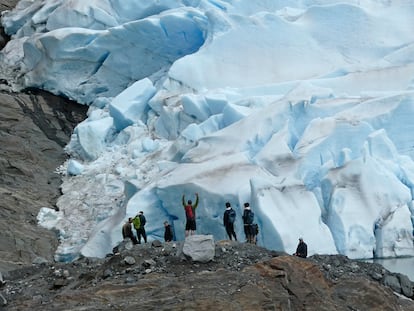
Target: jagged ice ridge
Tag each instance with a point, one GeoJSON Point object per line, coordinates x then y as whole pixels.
{"type": "Point", "coordinates": [304, 109]}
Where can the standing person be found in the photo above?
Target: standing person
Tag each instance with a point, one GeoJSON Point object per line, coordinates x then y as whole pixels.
{"type": "Point", "coordinates": [127, 231]}
{"type": "Point", "coordinates": [141, 229]}
{"type": "Point", "coordinates": [168, 234]}
{"type": "Point", "coordinates": [136, 221]}
{"type": "Point", "coordinates": [190, 226]}
{"type": "Point", "coordinates": [248, 217]}
{"type": "Point", "coordinates": [255, 232]}
{"type": "Point", "coordinates": [228, 221]}
{"type": "Point", "coordinates": [302, 249]}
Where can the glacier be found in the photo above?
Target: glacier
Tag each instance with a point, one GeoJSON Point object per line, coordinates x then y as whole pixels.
{"type": "Point", "coordinates": [302, 108]}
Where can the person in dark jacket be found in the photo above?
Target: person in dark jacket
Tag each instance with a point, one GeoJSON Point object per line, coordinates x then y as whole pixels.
{"type": "Point", "coordinates": [190, 225]}
{"type": "Point", "coordinates": [302, 249]}
{"type": "Point", "coordinates": [228, 221]}
{"type": "Point", "coordinates": [141, 230]}
{"type": "Point", "coordinates": [248, 217]}
{"type": "Point", "coordinates": [127, 231]}
{"type": "Point", "coordinates": [168, 234]}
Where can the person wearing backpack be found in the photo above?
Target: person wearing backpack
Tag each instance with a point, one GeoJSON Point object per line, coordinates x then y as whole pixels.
{"type": "Point", "coordinates": [248, 218]}
{"type": "Point", "coordinates": [137, 223]}
{"type": "Point", "coordinates": [228, 221]}
{"type": "Point", "coordinates": [302, 249]}
{"type": "Point", "coordinates": [189, 208]}
{"type": "Point", "coordinates": [168, 233]}
{"type": "Point", "coordinates": [141, 229]}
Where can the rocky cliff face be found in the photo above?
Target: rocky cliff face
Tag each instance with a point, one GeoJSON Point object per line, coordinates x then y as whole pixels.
{"type": "Point", "coordinates": [34, 128]}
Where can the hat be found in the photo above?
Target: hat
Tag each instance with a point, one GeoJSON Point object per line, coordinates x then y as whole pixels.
{"type": "Point", "coordinates": [228, 204]}
{"type": "Point", "coordinates": [246, 204]}
{"type": "Point", "coordinates": [141, 212]}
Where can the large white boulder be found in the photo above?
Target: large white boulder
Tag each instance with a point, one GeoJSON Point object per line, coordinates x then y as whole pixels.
{"type": "Point", "coordinates": [199, 248]}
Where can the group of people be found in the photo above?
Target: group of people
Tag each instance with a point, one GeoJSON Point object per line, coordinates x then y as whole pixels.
{"type": "Point", "coordinates": [138, 222]}
{"type": "Point", "coordinates": [251, 229]}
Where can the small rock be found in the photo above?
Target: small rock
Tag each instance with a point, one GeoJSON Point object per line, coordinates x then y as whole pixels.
{"type": "Point", "coordinates": [130, 280]}
{"type": "Point", "coordinates": [60, 283]}
{"type": "Point", "coordinates": [354, 267]}
{"type": "Point", "coordinates": [39, 261]}
{"type": "Point", "coordinates": [376, 276]}
{"type": "Point", "coordinates": [156, 243]}
{"type": "Point", "coordinates": [37, 298]}
{"type": "Point", "coordinates": [107, 273]}
{"type": "Point", "coordinates": [129, 245]}
{"type": "Point", "coordinates": [66, 273]}
{"type": "Point", "coordinates": [3, 301]}
{"type": "Point", "coordinates": [327, 267]}
{"type": "Point", "coordinates": [57, 273]}
{"type": "Point", "coordinates": [129, 260]}
{"type": "Point", "coordinates": [148, 263]}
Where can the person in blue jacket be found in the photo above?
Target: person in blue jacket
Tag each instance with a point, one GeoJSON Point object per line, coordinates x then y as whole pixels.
{"type": "Point", "coordinates": [229, 218]}
{"type": "Point", "coordinates": [302, 249]}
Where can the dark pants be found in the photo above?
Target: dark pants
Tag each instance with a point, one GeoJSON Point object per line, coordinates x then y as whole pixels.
{"type": "Point", "coordinates": [248, 231]}
{"type": "Point", "coordinates": [141, 232]}
{"type": "Point", "coordinates": [132, 237]}
{"type": "Point", "coordinates": [230, 231]}
{"type": "Point", "coordinates": [127, 233]}
{"type": "Point", "coordinates": [191, 224]}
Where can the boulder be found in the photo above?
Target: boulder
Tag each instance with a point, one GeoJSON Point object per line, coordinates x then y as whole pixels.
{"type": "Point", "coordinates": [406, 285]}
{"type": "Point", "coordinates": [200, 248]}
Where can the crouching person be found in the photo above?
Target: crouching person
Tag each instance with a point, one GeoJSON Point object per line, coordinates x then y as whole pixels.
{"type": "Point", "coordinates": [127, 231]}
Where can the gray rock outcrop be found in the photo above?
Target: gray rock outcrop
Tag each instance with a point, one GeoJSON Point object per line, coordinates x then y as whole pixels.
{"type": "Point", "coordinates": [34, 128]}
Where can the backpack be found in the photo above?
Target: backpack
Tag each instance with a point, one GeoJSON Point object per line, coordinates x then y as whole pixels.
{"type": "Point", "coordinates": [249, 217]}
{"type": "Point", "coordinates": [189, 211]}
{"type": "Point", "coordinates": [142, 220]}
{"type": "Point", "coordinates": [137, 222]}
{"type": "Point", "coordinates": [232, 216]}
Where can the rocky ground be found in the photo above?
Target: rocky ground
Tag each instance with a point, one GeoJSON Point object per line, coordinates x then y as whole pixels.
{"type": "Point", "coordinates": [241, 276]}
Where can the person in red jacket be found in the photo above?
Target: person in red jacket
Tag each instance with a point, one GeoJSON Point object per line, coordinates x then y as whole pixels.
{"type": "Point", "coordinates": [190, 226]}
